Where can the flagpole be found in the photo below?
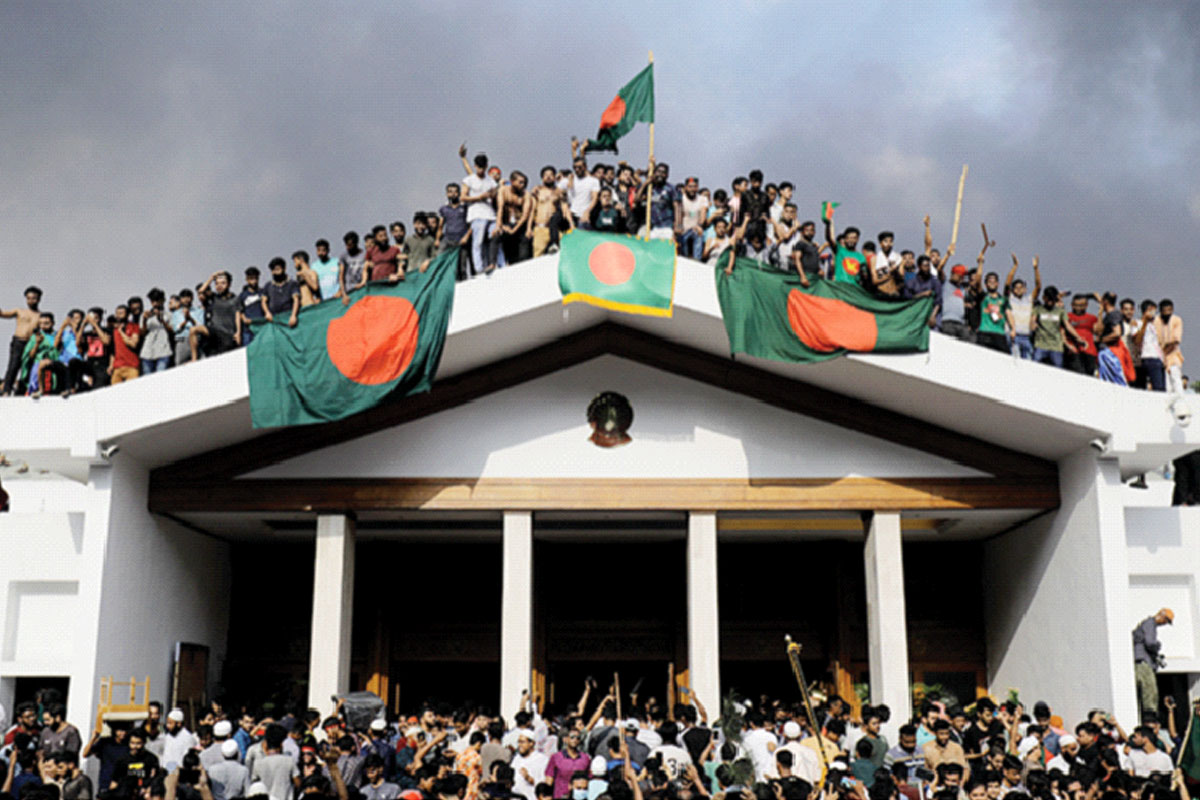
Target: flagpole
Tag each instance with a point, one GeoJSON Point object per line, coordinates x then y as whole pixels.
{"type": "Point", "coordinates": [650, 177]}
{"type": "Point", "coordinates": [958, 206]}
{"type": "Point", "coordinates": [1188, 733]}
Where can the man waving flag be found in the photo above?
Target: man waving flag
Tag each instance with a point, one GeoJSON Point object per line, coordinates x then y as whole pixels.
{"type": "Point", "coordinates": [633, 104]}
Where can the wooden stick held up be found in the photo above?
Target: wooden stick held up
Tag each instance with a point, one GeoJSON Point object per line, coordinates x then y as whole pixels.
{"type": "Point", "coordinates": [958, 206]}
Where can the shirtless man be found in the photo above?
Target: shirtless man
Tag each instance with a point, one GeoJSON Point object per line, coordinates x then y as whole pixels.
{"type": "Point", "coordinates": [27, 322]}
{"type": "Point", "coordinates": [513, 205]}
{"type": "Point", "coordinates": [548, 203]}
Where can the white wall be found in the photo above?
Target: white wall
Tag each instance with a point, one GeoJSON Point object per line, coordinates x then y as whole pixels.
{"type": "Point", "coordinates": [1163, 554]}
{"type": "Point", "coordinates": [1055, 592]}
{"type": "Point", "coordinates": [53, 545]}
{"type": "Point", "coordinates": [681, 428]}
{"type": "Point", "coordinates": [162, 584]}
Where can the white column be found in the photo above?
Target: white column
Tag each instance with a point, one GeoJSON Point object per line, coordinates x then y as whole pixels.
{"type": "Point", "coordinates": [516, 611]}
{"type": "Point", "coordinates": [704, 638]}
{"type": "Point", "coordinates": [887, 630]}
{"type": "Point", "coordinates": [333, 609]}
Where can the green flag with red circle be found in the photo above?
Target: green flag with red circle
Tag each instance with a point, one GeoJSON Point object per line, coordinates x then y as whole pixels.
{"type": "Point", "coordinates": [633, 104]}
{"type": "Point", "coordinates": [771, 314]}
{"type": "Point", "coordinates": [344, 358]}
{"type": "Point", "coordinates": [621, 273]}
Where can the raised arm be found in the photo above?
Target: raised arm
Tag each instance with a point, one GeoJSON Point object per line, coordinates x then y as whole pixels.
{"type": "Point", "coordinates": [1012, 273]}
{"type": "Point", "coordinates": [928, 237]}
{"type": "Point", "coordinates": [1037, 279]}
{"type": "Point", "coordinates": [582, 705]}
{"type": "Point", "coordinates": [830, 233]}
{"type": "Point", "coordinates": [462, 157]}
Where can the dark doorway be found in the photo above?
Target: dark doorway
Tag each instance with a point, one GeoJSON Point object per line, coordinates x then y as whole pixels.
{"type": "Point", "coordinates": [38, 690]}
{"type": "Point", "coordinates": [605, 607]}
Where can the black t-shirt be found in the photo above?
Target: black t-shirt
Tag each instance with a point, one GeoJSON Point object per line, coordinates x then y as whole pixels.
{"type": "Point", "coordinates": [974, 739]}
{"type": "Point", "coordinates": [695, 740]}
{"type": "Point", "coordinates": [222, 311]}
{"type": "Point", "coordinates": [279, 295]}
{"type": "Point", "coordinates": [109, 751]}
{"type": "Point", "coordinates": [250, 302]}
{"type": "Point", "coordinates": [1112, 321]}
{"type": "Point", "coordinates": [810, 259]}
{"type": "Point", "coordinates": [134, 772]}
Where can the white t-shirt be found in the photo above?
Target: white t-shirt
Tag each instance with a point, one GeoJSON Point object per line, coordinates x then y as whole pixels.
{"type": "Point", "coordinates": [806, 764]}
{"type": "Point", "coordinates": [675, 759]}
{"type": "Point", "coordinates": [1150, 346]}
{"type": "Point", "coordinates": [649, 737]}
{"type": "Point", "coordinates": [580, 194]}
{"type": "Point", "coordinates": [756, 741]}
{"type": "Point", "coordinates": [1144, 764]}
{"type": "Point", "coordinates": [535, 764]}
{"type": "Point", "coordinates": [474, 185]}
{"type": "Point", "coordinates": [694, 210]}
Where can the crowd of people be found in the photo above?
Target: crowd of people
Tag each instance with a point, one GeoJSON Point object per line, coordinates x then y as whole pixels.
{"type": "Point", "coordinates": [499, 222]}
{"type": "Point", "coordinates": [604, 748]}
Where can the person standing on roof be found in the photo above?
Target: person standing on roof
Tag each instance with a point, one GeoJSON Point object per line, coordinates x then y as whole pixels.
{"type": "Point", "coordinates": [1147, 657]}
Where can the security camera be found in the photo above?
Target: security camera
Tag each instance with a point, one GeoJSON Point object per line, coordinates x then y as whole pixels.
{"type": "Point", "coordinates": [1099, 445]}
{"type": "Point", "coordinates": [1181, 412]}
{"type": "Point", "coordinates": [108, 452]}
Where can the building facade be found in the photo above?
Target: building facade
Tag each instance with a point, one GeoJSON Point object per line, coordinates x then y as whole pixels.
{"type": "Point", "coordinates": [955, 518]}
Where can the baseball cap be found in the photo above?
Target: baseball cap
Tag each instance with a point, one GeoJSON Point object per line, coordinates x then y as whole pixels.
{"type": "Point", "coordinates": [1169, 614]}
{"type": "Point", "coordinates": [229, 748]}
{"type": "Point", "coordinates": [958, 269]}
{"type": "Point", "coordinates": [222, 729]}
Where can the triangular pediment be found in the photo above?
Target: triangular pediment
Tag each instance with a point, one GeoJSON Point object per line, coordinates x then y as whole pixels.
{"type": "Point", "coordinates": [683, 428]}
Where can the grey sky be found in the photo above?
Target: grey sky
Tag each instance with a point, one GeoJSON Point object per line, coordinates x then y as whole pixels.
{"type": "Point", "coordinates": [146, 144]}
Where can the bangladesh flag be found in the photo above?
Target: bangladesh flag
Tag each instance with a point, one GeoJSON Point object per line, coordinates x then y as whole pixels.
{"type": "Point", "coordinates": [827, 209]}
{"type": "Point", "coordinates": [618, 272]}
{"type": "Point", "coordinates": [633, 104]}
{"type": "Point", "coordinates": [340, 359]}
{"type": "Point", "coordinates": [769, 314]}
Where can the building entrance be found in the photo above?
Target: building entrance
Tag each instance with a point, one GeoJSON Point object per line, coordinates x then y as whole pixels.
{"type": "Point", "coordinates": [605, 607]}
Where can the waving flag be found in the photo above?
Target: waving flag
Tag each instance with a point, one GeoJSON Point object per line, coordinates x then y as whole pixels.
{"type": "Point", "coordinates": [770, 314]}
{"type": "Point", "coordinates": [633, 104]}
{"type": "Point", "coordinates": [340, 360]}
{"type": "Point", "coordinates": [617, 272]}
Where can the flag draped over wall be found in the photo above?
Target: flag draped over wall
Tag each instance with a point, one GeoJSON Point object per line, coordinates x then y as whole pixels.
{"type": "Point", "coordinates": [633, 104]}
{"type": "Point", "coordinates": [618, 272]}
{"type": "Point", "coordinates": [770, 314]}
{"type": "Point", "coordinates": [342, 359]}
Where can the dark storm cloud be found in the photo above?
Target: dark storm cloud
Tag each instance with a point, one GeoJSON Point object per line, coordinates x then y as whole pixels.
{"type": "Point", "coordinates": [148, 144]}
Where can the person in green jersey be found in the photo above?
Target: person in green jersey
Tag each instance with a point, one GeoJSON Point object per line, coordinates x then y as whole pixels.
{"type": "Point", "coordinates": [847, 261]}
{"type": "Point", "coordinates": [1049, 325]}
{"type": "Point", "coordinates": [993, 316]}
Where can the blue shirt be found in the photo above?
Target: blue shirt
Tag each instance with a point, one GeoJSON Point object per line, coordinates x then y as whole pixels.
{"type": "Point", "coordinates": [192, 318]}
{"type": "Point", "coordinates": [327, 276]}
{"type": "Point", "coordinates": [243, 741]}
{"type": "Point", "coordinates": [70, 349]}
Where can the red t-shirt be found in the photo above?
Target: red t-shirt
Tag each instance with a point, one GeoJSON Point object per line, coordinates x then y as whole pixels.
{"type": "Point", "coordinates": [384, 263]}
{"type": "Point", "coordinates": [123, 356]}
{"type": "Point", "coordinates": [1085, 326]}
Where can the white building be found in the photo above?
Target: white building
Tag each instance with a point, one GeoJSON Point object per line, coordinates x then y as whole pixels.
{"type": "Point", "coordinates": [956, 517]}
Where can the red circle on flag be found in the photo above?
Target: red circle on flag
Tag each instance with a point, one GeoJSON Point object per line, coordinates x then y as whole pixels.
{"type": "Point", "coordinates": [375, 340]}
{"type": "Point", "coordinates": [612, 263]}
{"type": "Point", "coordinates": [826, 324]}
